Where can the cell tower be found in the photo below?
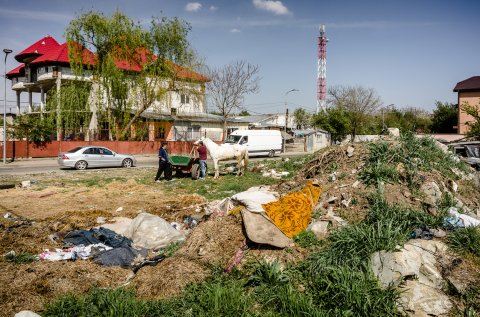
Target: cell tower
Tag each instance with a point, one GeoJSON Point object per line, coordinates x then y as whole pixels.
{"type": "Point", "coordinates": [322, 70]}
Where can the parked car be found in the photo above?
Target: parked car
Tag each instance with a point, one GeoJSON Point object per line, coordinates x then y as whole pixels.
{"type": "Point", "coordinates": [469, 151]}
{"type": "Point", "coordinates": [83, 157]}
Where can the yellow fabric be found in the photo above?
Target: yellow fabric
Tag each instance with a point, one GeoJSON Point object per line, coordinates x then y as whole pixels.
{"type": "Point", "coordinates": [293, 212]}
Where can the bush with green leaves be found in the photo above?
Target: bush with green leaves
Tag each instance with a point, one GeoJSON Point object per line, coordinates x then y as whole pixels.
{"type": "Point", "coordinates": [413, 155]}
{"type": "Point", "coordinates": [307, 239]}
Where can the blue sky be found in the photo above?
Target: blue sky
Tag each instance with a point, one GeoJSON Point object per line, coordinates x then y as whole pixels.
{"type": "Point", "coordinates": [412, 52]}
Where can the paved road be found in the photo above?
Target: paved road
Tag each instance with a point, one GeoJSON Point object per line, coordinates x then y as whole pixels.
{"type": "Point", "coordinates": [46, 165]}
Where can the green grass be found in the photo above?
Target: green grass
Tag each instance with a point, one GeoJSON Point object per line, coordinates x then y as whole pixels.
{"type": "Point", "coordinates": [307, 239]}
{"type": "Point", "coordinates": [465, 241]}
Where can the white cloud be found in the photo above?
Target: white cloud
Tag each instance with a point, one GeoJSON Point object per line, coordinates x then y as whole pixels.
{"type": "Point", "coordinates": [235, 30]}
{"type": "Point", "coordinates": [213, 8]}
{"type": "Point", "coordinates": [193, 6]}
{"type": "Point", "coordinates": [276, 7]}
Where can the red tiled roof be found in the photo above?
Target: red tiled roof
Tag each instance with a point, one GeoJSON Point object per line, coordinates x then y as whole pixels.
{"type": "Point", "coordinates": [473, 83]}
{"type": "Point", "coordinates": [49, 51]}
{"type": "Point", "coordinates": [16, 71]}
{"type": "Point", "coordinates": [186, 73]}
{"type": "Point", "coordinates": [38, 48]}
{"type": "Point", "coordinates": [60, 55]}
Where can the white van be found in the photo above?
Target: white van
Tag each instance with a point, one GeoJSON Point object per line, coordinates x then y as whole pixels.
{"type": "Point", "coordinates": [259, 142]}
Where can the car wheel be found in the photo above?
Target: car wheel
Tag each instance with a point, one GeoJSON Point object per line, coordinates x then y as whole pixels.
{"type": "Point", "coordinates": [195, 171]}
{"type": "Point", "coordinates": [127, 163]}
{"type": "Point", "coordinates": [81, 165]}
{"type": "Point", "coordinates": [271, 153]}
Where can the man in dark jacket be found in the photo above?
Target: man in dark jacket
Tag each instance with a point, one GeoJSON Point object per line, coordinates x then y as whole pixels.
{"type": "Point", "coordinates": [163, 164]}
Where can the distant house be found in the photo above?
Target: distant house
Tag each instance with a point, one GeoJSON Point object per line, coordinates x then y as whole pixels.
{"type": "Point", "coordinates": [468, 93]}
{"type": "Point", "coordinates": [269, 121]}
{"type": "Point", "coordinates": [179, 116]}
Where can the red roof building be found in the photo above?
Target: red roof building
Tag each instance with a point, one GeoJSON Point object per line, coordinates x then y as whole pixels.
{"type": "Point", "coordinates": [468, 93]}
{"type": "Point", "coordinates": [39, 48]}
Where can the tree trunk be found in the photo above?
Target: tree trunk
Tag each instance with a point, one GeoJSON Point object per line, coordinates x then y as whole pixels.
{"type": "Point", "coordinates": [224, 135]}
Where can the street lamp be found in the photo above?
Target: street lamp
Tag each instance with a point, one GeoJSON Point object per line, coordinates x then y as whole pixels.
{"type": "Point", "coordinates": [286, 116]}
{"type": "Point", "coordinates": [6, 51]}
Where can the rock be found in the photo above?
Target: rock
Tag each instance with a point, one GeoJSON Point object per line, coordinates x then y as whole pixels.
{"type": "Point", "coordinates": [346, 199]}
{"type": "Point", "coordinates": [459, 286]}
{"type": "Point", "coordinates": [356, 184]}
{"type": "Point", "coordinates": [101, 220]}
{"type": "Point", "coordinates": [261, 230]}
{"type": "Point", "coordinates": [350, 150]}
{"type": "Point", "coordinates": [27, 313]}
{"type": "Point", "coordinates": [119, 209]}
{"type": "Point", "coordinates": [406, 193]}
{"type": "Point", "coordinates": [320, 228]}
{"type": "Point", "coordinates": [452, 185]}
{"type": "Point", "coordinates": [422, 300]}
{"type": "Point", "coordinates": [432, 192]}
{"type": "Point", "coordinates": [331, 199]}
{"type": "Point", "coordinates": [439, 233]}
{"type": "Point", "coordinates": [202, 252]}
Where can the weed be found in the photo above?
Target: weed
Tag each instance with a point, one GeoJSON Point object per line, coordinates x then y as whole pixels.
{"type": "Point", "coordinates": [20, 258]}
{"type": "Point", "coordinates": [268, 273]}
{"type": "Point", "coordinates": [307, 239]}
{"type": "Point", "coordinates": [465, 241]}
{"type": "Point", "coordinates": [171, 249]}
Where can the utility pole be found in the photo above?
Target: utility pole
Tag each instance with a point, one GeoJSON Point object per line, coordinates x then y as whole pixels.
{"type": "Point", "coordinates": [286, 118]}
{"type": "Point", "coordinates": [6, 51]}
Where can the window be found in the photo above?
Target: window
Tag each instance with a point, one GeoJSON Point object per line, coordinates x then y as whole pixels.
{"type": "Point", "coordinates": [184, 99]}
{"type": "Point", "coordinates": [105, 151]}
{"type": "Point", "coordinates": [161, 133]}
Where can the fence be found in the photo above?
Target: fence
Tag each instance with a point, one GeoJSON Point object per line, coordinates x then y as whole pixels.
{"type": "Point", "coordinates": [24, 149]}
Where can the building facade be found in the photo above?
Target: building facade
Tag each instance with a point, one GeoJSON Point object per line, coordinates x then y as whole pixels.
{"type": "Point", "coordinates": [468, 93]}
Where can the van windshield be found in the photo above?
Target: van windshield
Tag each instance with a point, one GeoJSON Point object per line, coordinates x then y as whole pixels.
{"type": "Point", "coordinates": [233, 139]}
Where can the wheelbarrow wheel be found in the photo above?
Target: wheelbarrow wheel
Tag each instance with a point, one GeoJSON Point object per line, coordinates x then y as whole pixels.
{"type": "Point", "coordinates": [195, 171]}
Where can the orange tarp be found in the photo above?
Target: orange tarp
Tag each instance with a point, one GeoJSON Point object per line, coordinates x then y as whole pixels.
{"type": "Point", "coordinates": [293, 212]}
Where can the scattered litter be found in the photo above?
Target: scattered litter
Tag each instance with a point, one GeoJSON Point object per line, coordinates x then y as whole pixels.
{"type": "Point", "coordinates": [332, 177]}
{"type": "Point", "coordinates": [254, 199]}
{"type": "Point", "coordinates": [346, 200]}
{"type": "Point", "coordinates": [218, 207]}
{"type": "Point", "coordinates": [274, 174]}
{"type": "Point", "coordinates": [237, 258]}
{"type": "Point", "coordinates": [356, 184]}
{"type": "Point", "coordinates": [7, 186]}
{"type": "Point", "coordinates": [350, 150]}
{"type": "Point", "coordinates": [293, 212]}
{"type": "Point", "coordinates": [26, 184]}
{"type": "Point", "coordinates": [80, 251]}
{"type": "Point", "coordinates": [122, 256]}
{"type": "Point", "coordinates": [8, 215]}
{"type": "Point", "coordinates": [423, 232]}
{"type": "Point", "coordinates": [152, 232]}
{"type": "Point", "coordinates": [101, 220]}
{"type": "Point", "coordinates": [458, 220]}
{"type": "Point", "coordinates": [119, 209]}
{"type": "Point", "coordinates": [330, 216]}
{"type": "Point", "coordinates": [150, 262]}
{"type": "Point", "coordinates": [319, 228]}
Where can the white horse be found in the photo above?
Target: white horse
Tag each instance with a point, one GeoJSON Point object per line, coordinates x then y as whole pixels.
{"type": "Point", "coordinates": [224, 152]}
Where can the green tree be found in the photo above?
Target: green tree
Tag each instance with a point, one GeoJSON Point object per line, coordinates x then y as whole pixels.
{"type": "Point", "coordinates": [473, 126]}
{"type": "Point", "coordinates": [133, 67]}
{"type": "Point", "coordinates": [445, 117]}
{"type": "Point", "coordinates": [359, 102]}
{"type": "Point", "coordinates": [302, 118]}
{"type": "Point", "coordinates": [335, 120]}
{"type": "Point", "coordinates": [244, 113]}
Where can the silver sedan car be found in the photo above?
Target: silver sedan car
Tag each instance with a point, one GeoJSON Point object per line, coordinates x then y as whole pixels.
{"type": "Point", "coordinates": [83, 157]}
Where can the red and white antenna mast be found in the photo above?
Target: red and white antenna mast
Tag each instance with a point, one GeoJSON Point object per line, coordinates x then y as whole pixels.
{"type": "Point", "coordinates": [322, 70]}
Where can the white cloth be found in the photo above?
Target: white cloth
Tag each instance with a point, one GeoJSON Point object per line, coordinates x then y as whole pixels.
{"type": "Point", "coordinates": [467, 220]}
